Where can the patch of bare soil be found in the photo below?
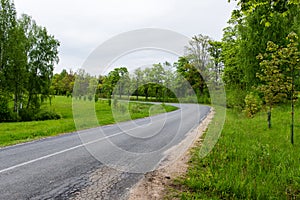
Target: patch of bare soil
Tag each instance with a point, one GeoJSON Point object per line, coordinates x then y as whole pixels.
{"type": "Point", "coordinates": [154, 185]}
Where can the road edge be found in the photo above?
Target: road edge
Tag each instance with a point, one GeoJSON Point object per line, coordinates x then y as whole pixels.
{"type": "Point", "coordinates": [154, 185]}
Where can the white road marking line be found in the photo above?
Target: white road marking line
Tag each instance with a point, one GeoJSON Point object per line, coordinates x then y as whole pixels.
{"type": "Point", "coordinates": [59, 152]}
{"type": "Point", "coordinates": [66, 150]}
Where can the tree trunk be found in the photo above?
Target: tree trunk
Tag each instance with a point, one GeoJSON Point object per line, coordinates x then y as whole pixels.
{"type": "Point", "coordinates": [269, 118]}
{"type": "Point", "coordinates": [293, 108]}
{"type": "Point", "coordinates": [16, 104]}
{"type": "Point", "coordinates": [137, 91]}
{"type": "Point", "coordinates": [29, 100]}
{"type": "Point", "coordinates": [146, 93]}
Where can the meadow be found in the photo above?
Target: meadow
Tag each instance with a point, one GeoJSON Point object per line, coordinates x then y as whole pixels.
{"type": "Point", "coordinates": [17, 132]}
{"type": "Point", "coordinates": [250, 161]}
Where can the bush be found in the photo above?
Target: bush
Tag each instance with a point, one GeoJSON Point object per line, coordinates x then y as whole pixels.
{"type": "Point", "coordinates": [96, 98]}
{"type": "Point", "coordinates": [32, 115]}
{"type": "Point", "coordinates": [4, 109]}
{"type": "Point", "coordinates": [253, 104]}
{"type": "Point", "coordinates": [235, 98]}
{"type": "Point", "coordinates": [14, 117]}
{"type": "Point", "coordinates": [90, 97]}
{"type": "Point", "coordinates": [204, 99]}
{"type": "Point", "coordinates": [69, 94]}
{"type": "Point", "coordinates": [26, 114]}
{"type": "Point", "coordinates": [46, 115]}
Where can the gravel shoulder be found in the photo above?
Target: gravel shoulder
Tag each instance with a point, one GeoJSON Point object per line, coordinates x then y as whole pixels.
{"type": "Point", "coordinates": [154, 185]}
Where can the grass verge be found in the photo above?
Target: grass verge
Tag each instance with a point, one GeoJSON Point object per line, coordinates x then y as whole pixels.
{"type": "Point", "coordinates": [249, 161]}
{"type": "Point", "coordinates": [17, 132]}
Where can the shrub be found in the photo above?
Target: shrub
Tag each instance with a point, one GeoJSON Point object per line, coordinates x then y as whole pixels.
{"type": "Point", "coordinates": [14, 117]}
{"type": "Point", "coordinates": [204, 99]}
{"type": "Point", "coordinates": [46, 115]}
{"type": "Point", "coordinates": [96, 98]}
{"type": "Point", "coordinates": [253, 104]}
{"type": "Point", "coordinates": [4, 109]}
{"type": "Point", "coordinates": [69, 94]}
{"type": "Point", "coordinates": [27, 114]}
{"type": "Point", "coordinates": [235, 98]}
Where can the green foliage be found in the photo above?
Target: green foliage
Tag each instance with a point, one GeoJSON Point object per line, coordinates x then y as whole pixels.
{"type": "Point", "coordinates": [215, 51]}
{"type": "Point", "coordinates": [46, 115]}
{"type": "Point", "coordinates": [5, 113]}
{"type": "Point", "coordinates": [235, 98]}
{"type": "Point", "coordinates": [41, 115]}
{"type": "Point", "coordinates": [252, 25]}
{"type": "Point", "coordinates": [279, 66]}
{"type": "Point", "coordinates": [96, 98]}
{"type": "Point", "coordinates": [63, 83]}
{"type": "Point", "coordinates": [275, 85]}
{"type": "Point", "coordinates": [253, 104]}
{"type": "Point", "coordinates": [27, 57]}
{"type": "Point", "coordinates": [27, 114]}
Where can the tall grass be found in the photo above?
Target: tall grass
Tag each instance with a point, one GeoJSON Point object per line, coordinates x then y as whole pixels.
{"type": "Point", "coordinates": [250, 161]}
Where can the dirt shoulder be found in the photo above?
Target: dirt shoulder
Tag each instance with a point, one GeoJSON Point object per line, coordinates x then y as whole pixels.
{"type": "Point", "coordinates": [154, 184]}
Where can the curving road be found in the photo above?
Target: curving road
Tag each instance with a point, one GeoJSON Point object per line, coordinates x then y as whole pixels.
{"type": "Point", "coordinates": [60, 167]}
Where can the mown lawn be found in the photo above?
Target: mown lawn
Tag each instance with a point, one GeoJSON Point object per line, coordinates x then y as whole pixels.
{"type": "Point", "coordinates": [17, 132]}
{"type": "Point", "coordinates": [249, 161]}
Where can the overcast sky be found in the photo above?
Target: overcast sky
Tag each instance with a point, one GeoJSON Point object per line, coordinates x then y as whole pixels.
{"type": "Point", "coordinates": [83, 25]}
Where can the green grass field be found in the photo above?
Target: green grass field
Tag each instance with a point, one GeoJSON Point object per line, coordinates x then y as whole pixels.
{"type": "Point", "coordinates": [249, 161]}
{"type": "Point", "coordinates": [17, 132]}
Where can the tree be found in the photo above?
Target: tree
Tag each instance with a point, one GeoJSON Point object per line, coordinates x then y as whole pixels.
{"type": "Point", "coordinates": [233, 75]}
{"type": "Point", "coordinates": [42, 55]}
{"type": "Point", "coordinates": [278, 66]}
{"type": "Point", "coordinates": [256, 23]}
{"type": "Point", "coordinates": [191, 75]}
{"type": "Point", "coordinates": [215, 51]}
{"type": "Point", "coordinates": [274, 84]}
{"type": "Point", "coordinates": [138, 81]}
{"type": "Point", "coordinates": [197, 54]}
{"type": "Point", "coordinates": [157, 75]}
{"type": "Point", "coordinates": [12, 54]}
{"type": "Point", "coordinates": [16, 73]}
{"type": "Point", "coordinates": [290, 56]}
{"type": "Point", "coordinates": [27, 57]}
{"type": "Point", "coordinates": [116, 82]}
{"type": "Point", "coordinates": [63, 83]}
{"type": "Point", "coordinates": [81, 84]}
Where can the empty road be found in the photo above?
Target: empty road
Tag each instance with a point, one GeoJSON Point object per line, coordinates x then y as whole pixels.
{"type": "Point", "coordinates": [59, 167]}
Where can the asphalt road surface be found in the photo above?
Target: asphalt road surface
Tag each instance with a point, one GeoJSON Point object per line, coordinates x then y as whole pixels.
{"type": "Point", "coordinates": [59, 167]}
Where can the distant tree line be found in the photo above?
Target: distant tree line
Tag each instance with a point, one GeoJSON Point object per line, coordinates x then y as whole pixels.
{"type": "Point", "coordinates": [185, 79]}
{"type": "Point", "coordinates": [28, 54]}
